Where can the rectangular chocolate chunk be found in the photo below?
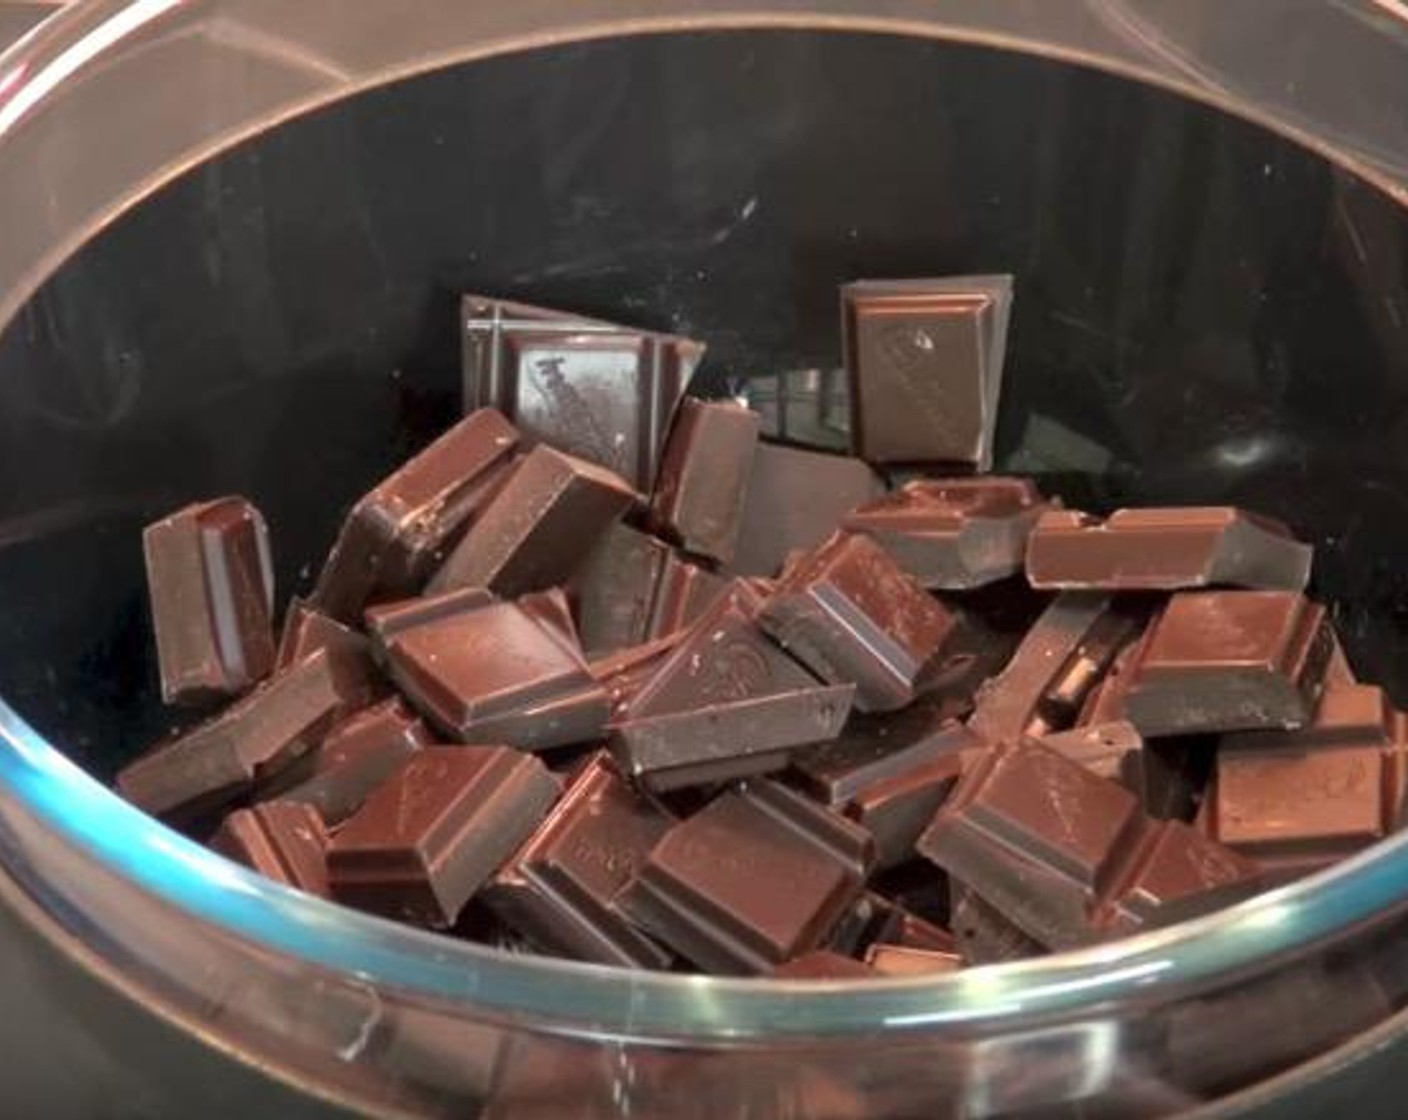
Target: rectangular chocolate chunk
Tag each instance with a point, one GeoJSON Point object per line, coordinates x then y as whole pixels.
{"type": "Point", "coordinates": [904, 960]}
{"type": "Point", "coordinates": [823, 964]}
{"type": "Point", "coordinates": [614, 587]}
{"type": "Point", "coordinates": [249, 741]}
{"type": "Point", "coordinates": [1165, 550]}
{"type": "Point", "coordinates": [552, 509]}
{"type": "Point", "coordinates": [399, 531]}
{"type": "Point", "coordinates": [1066, 855]}
{"type": "Point", "coordinates": [435, 832]}
{"type": "Point", "coordinates": [1162, 775]}
{"type": "Point", "coordinates": [1296, 801]}
{"type": "Point", "coordinates": [282, 840]}
{"type": "Point", "coordinates": [1061, 659]}
{"type": "Point", "coordinates": [601, 392]}
{"type": "Point", "coordinates": [703, 478]}
{"type": "Point", "coordinates": [954, 534]}
{"type": "Point", "coordinates": [1230, 661]}
{"type": "Point", "coordinates": [356, 756]}
{"type": "Point", "coordinates": [755, 878]}
{"type": "Point", "coordinates": [211, 587]}
{"type": "Point", "coordinates": [498, 675]}
{"type": "Point", "coordinates": [558, 889]}
{"type": "Point", "coordinates": [725, 702]}
{"type": "Point", "coordinates": [307, 630]}
{"type": "Point", "coordinates": [925, 362]}
{"type": "Point", "coordinates": [851, 615]}
{"type": "Point", "coordinates": [795, 500]}
{"type": "Point", "coordinates": [890, 774]}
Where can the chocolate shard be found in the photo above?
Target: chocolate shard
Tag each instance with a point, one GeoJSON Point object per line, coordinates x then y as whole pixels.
{"type": "Point", "coordinates": [1162, 775]}
{"type": "Point", "coordinates": [1230, 661]}
{"type": "Point", "coordinates": [533, 533]}
{"type": "Point", "coordinates": [435, 832]}
{"type": "Point", "coordinates": [823, 964]}
{"type": "Point", "coordinates": [984, 935]}
{"type": "Point", "coordinates": [558, 889]}
{"type": "Point", "coordinates": [307, 630]}
{"type": "Point", "coordinates": [1067, 856]}
{"type": "Point", "coordinates": [851, 615]}
{"type": "Point", "coordinates": [925, 358]}
{"type": "Point", "coordinates": [726, 702]}
{"type": "Point", "coordinates": [357, 755]}
{"type": "Point", "coordinates": [683, 592]}
{"type": "Point", "coordinates": [889, 774]}
{"type": "Point", "coordinates": [251, 740]}
{"type": "Point", "coordinates": [795, 500]}
{"type": "Point", "coordinates": [282, 840]}
{"type": "Point", "coordinates": [954, 534]}
{"type": "Point", "coordinates": [388, 621]}
{"type": "Point", "coordinates": [496, 674]}
{"type": "Point", "coordinates": [1166, 550]}
{"type": "Point", "coordinates": [757, 877]}
{"type": "Point", "coordinates": [703, 477]}
{"type": "Point", "coordinates": [1061, 659]}
{"type": "Point", "coordinates": [211, 586]}
{"type": "Point", "coordinates": [602, 392]}
{"type": "Point", "coordinates": [1295, 801]}
{"type": "Point", "coordinates": [552, 608]}
{"type": "Point", "coordinates": [904, 960]}
{"type": "Point", "coordinates": [615, 586]}
{"type": "Point", "coordinates": [398, 532]}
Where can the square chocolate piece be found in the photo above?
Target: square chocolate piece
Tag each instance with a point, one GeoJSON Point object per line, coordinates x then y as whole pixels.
{"type": "Point", "coordinates": [925, 362]}
{"type": "Point", "coordinates": [601, 392]}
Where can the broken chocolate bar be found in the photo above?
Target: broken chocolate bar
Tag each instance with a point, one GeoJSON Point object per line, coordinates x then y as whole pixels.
{"type": "Point", "coordinates": [496, 674]}
{"type": "Point", "coordinates": [559, 887]}
{"type": "Point", "coordinates": [307, 630]}
{"type": "Point", "coordinates": [795, 501]}
{"type": "Point", "coordinates": [386, 622]}
{"type": "Point", "coordinates": [356, 756]}
{"type": "Point", "coordinates": [1229, 661]}
{"type": "Point", "coordinates": [851, 615]}
{"type": "Point", "coordinates": [595, 390]}
{"type": "Point", "coordinates": [211, 586]}
{"type": "Point", "coordinates": [397, 533]}
{"type": "Point", "coordinates": [552, 508]}
{"type": "Point", "coordinates": [1064, 854]}
{"type": "Point", "coordinates": [1165, 550]}
{"type": "Point", "coordinates": [726, 702]}
{"type": "Point", "coordinates": [426, 841]}
{"type": "Point", "coordinates": [250, 741]}
{"type": "Point", "coordinates": [925, 361]}
{"type": "Point", "coordinates": [703, 479]}
{"type": "Point", "coordinates": [282, 840]}
{"type": "Point", "coordinates": [955, 533]}
{"type": "Point", "coordinates": [755, 878]}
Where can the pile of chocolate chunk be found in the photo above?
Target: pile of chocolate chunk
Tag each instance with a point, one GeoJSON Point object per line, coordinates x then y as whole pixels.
{"type": "Point", "coordinates": [617, 674]}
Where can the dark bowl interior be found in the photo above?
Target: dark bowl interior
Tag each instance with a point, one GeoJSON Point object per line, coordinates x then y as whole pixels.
{"type": "Point", "coordinates": [1205, 312]}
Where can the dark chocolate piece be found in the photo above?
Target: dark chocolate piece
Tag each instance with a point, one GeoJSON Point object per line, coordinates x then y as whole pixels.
{"type": "Point", "coordinates": [851, 615]}
{"type": "Point", "coordinates": [703, 478]}
{"type": "Point", "coordinates": [397, 533]}
{"type": "Point", "coordinates": [1064, 854]}
{"type": "Point", "coordinates": [1160, 775]}
{"type": "Point", "coordinates": [1296, 801]}
{"type": "Point", "coordinates": [984, 935]}
{"type": "Point", "coordinates": [498, 675]}
{"type": "Point", "coordinates": [823, 964]}
{"type": "Point", "coordinates": [756, 878]}
{"type": "Point", "coordinates": [282, 840]}
{"type": "Point", "coordinates": [426, 841]}
{"type": "Point", "coordinates": [795, 501]}
{"type": "Point", "coordinates": [925, 361]}
{"type": "Point", "coordinates": [211, 586]}
{"type": "Point", "coordinates": [891, 780]}
{"type": "Point", "coordinates": [623, 672]}
{"type": "Point", "coordinates": [1165, 550]}
{"type": "Point", "coordinates": [1229, 661]}
{"type": "Point", "coordinates": [601, 392]}
{"type": "Point", "coordinates": [725, 703]}
{"type": "Point", "coordinates": [955, 533]}
{"type": "Point", "coordinates": [904, 960]}
{"type": "Point", "coordinates": [1060, 660]}
{"type": "Point", "coordinates": [551, 608]}
{"type": "Point", "coordinates": [549, 512]}
{"type": "Point", "coordinates": [558, 889]}
{"type": "Point", "coordinates": [357, 756]}
{"type": "Point", "coordinates": [615, 587]}
{"type": "Point", "coordinates": [248, 742]}
{"type": "Point", "coordinates": [307, 630]}
{"type": "Point", "coordinates": [388, 621]}
{"type": "Point", "coordinates": [683, 592]}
